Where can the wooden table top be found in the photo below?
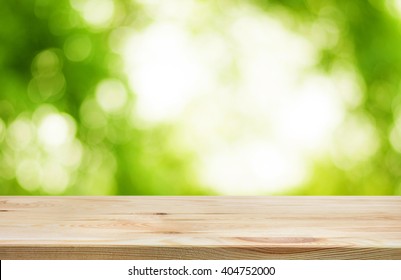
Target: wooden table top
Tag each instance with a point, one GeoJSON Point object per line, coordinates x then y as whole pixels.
{"type": "Point", "coordinates": [139, 227]}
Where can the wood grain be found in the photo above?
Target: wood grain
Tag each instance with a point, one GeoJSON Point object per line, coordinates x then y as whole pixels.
{"type": "Point", "coordinates": [200, 227]}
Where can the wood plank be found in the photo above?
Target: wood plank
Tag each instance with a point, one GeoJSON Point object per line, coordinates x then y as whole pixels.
{"type": "Point", "coordinates": [200, 227]}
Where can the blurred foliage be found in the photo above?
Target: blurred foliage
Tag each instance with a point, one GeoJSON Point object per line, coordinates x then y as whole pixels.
{"type": "Point", "coordinates": [371, 36]}
{"type": "Point", "coordinates": [52, 62]}
{"type": "Point", "coordinates": [115, 157]}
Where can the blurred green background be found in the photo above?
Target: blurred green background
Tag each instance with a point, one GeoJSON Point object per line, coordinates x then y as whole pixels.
{"type": "Point", "coordinates": [196, 97]}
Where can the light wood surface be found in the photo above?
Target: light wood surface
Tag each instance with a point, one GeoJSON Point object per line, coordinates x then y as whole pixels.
{"type": "Point", "coordinates": [200, 227]}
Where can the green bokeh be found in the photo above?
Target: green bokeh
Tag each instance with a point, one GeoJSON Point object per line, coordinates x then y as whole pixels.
{"type": "Point", "coordinates": [117, 158]}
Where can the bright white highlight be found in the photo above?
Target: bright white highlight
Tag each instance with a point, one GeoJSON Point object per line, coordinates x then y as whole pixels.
{"type": "Point", "coordinates": [56, 130]}
{"type": "Point", "coordinates": [252, 167]}
{"type": "Point", "coordinates": [97, 13]}
{"type": "Point", "coordinates": [165, 71]}
{"type": "Point", "coordinates": [111, 95]}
